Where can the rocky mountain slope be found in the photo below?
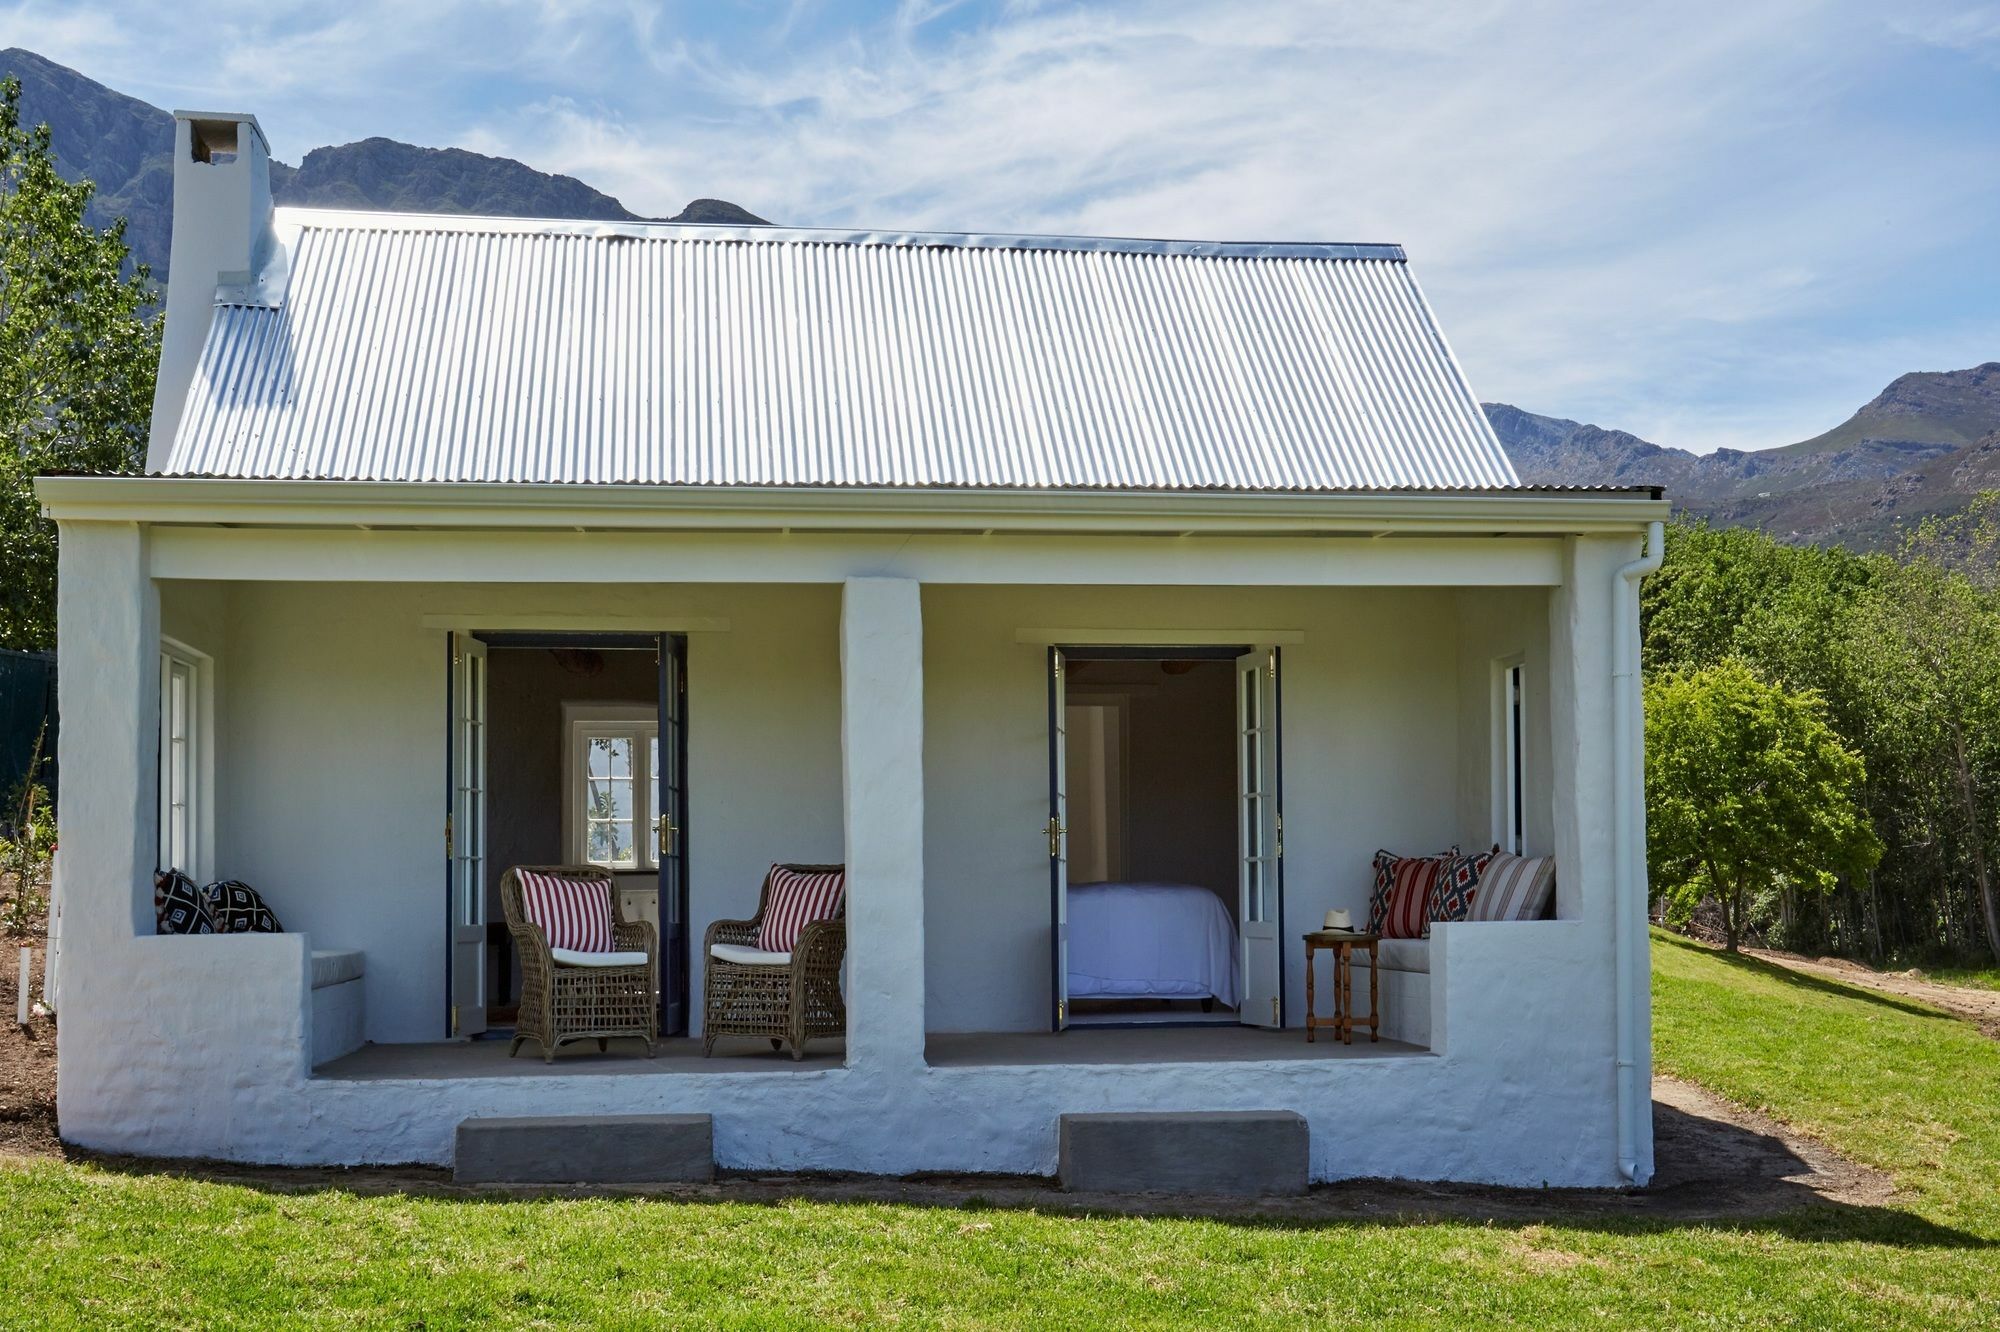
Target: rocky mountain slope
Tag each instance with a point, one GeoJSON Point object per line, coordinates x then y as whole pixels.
{"type": "Point", "coordinates": [126, 146]}
{"type": "Point", "coordinates": [1927, 444]}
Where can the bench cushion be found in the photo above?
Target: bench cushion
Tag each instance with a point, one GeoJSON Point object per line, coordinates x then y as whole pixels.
{"type": "Point", "coordinates": [1400, 955]}
{"type": "Point", "coordinates": [334, 966]}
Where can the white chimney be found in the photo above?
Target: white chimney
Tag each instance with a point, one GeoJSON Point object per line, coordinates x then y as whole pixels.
{"type": "Point", "coordinates": [221, 237]}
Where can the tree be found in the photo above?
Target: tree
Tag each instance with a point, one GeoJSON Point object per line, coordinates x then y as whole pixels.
{"type": "Point", "coordinates": [78, 352]}
{"type": "Point", "coordinates": [1748, 790]}
{"type": "Point", "coordinates": [1927, 642]}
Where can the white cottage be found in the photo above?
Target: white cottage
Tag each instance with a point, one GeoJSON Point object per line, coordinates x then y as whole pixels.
{"type": "Point", "coordinates": [1102, 605]}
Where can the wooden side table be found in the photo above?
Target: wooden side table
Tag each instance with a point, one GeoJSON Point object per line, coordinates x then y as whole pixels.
{"type": "Point", "coordinates": [1342, 943]}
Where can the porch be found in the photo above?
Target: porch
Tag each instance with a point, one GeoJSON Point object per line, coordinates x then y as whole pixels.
{"type": "Point", "coordinates": [902, 726]}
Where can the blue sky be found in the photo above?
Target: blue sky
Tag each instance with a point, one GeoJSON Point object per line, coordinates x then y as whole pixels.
{"type": "Point", "coordinates": [1714, 224]}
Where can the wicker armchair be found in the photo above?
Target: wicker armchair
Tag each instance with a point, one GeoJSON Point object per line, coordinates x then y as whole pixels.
{"type": "Point", "coordinates": [569, 1003]}
{"type": "Point", "coordinates": [787, 1004]}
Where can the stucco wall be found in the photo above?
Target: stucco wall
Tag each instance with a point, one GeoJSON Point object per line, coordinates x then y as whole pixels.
{"type": "Point", "coordinates": [1370, 734]}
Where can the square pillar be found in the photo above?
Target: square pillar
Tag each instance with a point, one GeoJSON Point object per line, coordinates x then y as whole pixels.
{"type": "Point", "coordinates": [882, 775]}
{"type": "Point", "coordinates": [108, 694]}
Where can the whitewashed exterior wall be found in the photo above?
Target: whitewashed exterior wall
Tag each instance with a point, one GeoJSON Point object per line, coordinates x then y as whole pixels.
{"type": "Point", "coordinates": [332, 732]}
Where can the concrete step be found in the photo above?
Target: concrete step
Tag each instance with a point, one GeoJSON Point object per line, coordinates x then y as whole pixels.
{"type": "Point", "coordinates": [586, 1149]}
{"type": "Point", "coordinates": [1241, 1153]}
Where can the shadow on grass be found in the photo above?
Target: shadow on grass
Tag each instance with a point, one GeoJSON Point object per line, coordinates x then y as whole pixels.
{"type": "Point", "coordinates": [1804, 980]}
{"type": "Point", "coordinates": [1714, 1175]}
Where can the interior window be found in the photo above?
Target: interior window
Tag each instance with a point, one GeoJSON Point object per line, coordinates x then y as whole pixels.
{"type": "Point", "coordinates": [615, 793]}
{"type": "Point", "coordinates": [177, 764]}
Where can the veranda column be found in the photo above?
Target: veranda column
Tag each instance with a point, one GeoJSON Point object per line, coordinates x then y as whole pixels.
{"type": "Point", "coordinates": [1588, 696]}
{"type": "Point", "coordinates": [882, 767]}
{"type": "Point", "coordinates": [108, 700]}
{"type": "Point", "coordinates": [108, 697]}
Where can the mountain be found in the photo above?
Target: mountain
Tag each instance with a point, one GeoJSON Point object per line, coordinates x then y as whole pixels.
{"type": "Point", "coordinates": [126, 147]}
{"type": "Point", "coordinates": [1926, 444]}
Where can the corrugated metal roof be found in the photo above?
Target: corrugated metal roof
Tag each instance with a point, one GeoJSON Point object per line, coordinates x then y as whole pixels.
{"type": "Point", "coordinates": [466, 349]}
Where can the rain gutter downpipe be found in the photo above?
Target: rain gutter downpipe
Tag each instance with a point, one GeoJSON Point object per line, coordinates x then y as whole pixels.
{"type": "Point", "coordinates": [1629, 864]}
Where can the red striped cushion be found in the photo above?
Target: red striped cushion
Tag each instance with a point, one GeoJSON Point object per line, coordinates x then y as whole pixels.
{"type": "Point", "coordinates": [573, 913]}
{"type": "Point", "coordinates": [797, 900]}
{"type": "Point", "coordinates": [1410, 891]}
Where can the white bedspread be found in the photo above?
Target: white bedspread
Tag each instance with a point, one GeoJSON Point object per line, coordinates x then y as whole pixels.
{"type": "Point", "coordinates": [1158, 940]}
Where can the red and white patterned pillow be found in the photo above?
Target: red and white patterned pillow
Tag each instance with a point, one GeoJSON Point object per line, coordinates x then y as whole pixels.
{"type": "Point", "coordinates": [573, 913]}
{"type": "Point", "coordinates": [1409, 907]}
{"type": "Point", "coordinates": [796, 901]}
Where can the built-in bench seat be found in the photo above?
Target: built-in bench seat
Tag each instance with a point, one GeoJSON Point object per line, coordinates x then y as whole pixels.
{"type": "Point", "coordinates": [336, 1003]}
{"type": "Point", "coordinates": [1405, 988]}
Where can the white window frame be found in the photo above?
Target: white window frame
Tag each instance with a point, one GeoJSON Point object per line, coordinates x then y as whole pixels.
{"type": "Point", "coordinates": [196, 765]}
{"type": "Point", "coordinates": [1510, 754]}
{"type": "Point", "coordinates": [640, 722]}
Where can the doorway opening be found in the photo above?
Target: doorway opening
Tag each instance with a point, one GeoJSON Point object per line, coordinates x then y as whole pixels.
{"type": "Point", "coordinates": [566, 749]}
{"type": "Point", "coordinates": [1165, 838]}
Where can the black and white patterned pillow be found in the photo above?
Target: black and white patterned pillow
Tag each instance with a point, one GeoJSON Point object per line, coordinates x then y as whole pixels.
{"type": "Point", "coordinates": [178, 906]}
{"type": "Point", "coordinates": [238, 909]}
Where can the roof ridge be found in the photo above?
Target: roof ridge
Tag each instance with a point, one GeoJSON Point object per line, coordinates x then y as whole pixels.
{"type": "Point", "coordinates": [479, 224]}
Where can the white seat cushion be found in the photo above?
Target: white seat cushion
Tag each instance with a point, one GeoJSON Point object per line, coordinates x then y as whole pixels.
{"type": "Point", "coordinates": [1400, 955]}
{"type": "Point", "coordinates": [744, 955]}
{"type": "Point", "coordinates": [335, 966]}
{"type": "Point", "coordinates": [570, 957]}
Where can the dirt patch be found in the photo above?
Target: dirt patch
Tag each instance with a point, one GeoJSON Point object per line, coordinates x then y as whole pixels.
{"type": "Point", "coordinates": [1981, 1007]}
{"type": "Point", "coordinates": [27, 1066]}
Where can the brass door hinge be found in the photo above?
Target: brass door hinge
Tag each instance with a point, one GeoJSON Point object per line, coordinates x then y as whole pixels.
{"type": "Point", "coordinates": [450, 846]}
{"type": "Point", "coordinates": [1274, 1010]}
{"type": "Point", "coordinates": [1057, 831]}
{"type": "Point", "coordinates": [1281, 836]}
{"type": "Point", "coordinates": [454, 1019]}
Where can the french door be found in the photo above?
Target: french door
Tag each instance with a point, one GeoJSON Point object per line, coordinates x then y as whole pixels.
{"type": "Point", "coordinates": [465, 836]}
{"type": "Point", "coordinates": [670, 819]}
{"type": "Point", "coordinates": [1058, 831]}
{"type": "Point", "coordinates": [1260, 832]}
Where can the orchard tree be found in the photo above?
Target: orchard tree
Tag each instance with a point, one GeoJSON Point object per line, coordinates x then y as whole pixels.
{"type": "Point", "coordinates": [1748, 789]}
{"type": "Point", "coordinates": [78, 352]}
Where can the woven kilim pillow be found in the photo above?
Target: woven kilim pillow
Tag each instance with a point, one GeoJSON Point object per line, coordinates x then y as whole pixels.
{"type": "Point", "coordinates": [1457, 882]}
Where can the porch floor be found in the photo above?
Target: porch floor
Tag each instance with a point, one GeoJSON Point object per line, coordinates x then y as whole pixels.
{"type": "Point", "coordinates": [1207, 1044]}
{"type": "Point", "coordinates": [1079, 1045]}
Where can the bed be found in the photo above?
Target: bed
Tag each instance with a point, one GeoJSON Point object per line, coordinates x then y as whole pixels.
{"type": "Point", "coordinates": [1150, 941]}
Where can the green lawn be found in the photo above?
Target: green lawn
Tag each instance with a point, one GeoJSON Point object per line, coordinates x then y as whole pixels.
{"type": "Point", "coordinates": [1986, 978]}
{"type": "Point", "coordinates": [1885, 1081]}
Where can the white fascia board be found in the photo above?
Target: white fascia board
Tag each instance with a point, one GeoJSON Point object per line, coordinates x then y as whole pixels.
{"type": "Point", "coordinates": [208, 501]}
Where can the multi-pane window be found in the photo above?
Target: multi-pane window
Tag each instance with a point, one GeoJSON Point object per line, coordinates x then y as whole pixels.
{"type": "Point", "coordinates": [179, 736]}
{"type": "Point", "coordinates": [617, 793]}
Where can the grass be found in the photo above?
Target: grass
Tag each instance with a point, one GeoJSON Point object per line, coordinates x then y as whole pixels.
{"type": "Point", "coordinates": [1984, 978]}
{"type": "Point", "coordinates": [1886, 1081]}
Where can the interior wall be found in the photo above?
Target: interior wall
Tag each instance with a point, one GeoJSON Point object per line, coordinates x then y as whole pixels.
{"type": "Point", "coordinates": [331, 758]}
{"type": "Point", "coordinates": [526, 690]}
{"type": "Point", "coordinates": [1371, 702]}
{"type": "Point", "coordinates": [1180, 767]}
